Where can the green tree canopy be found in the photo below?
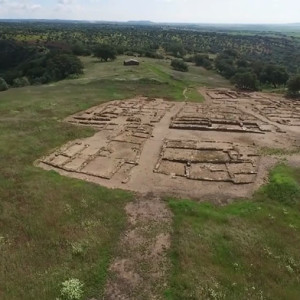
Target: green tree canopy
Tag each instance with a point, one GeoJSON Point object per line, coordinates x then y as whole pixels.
{"type": "Point", "coordinates": [274, 74]}
{"type": "Point", "coordinates": [203, 61]}
{"type": "Point", "coordinates": [60, 66]}
{"type": "Point", "coordinates": [245, 80]}
{"type": "Point", "coordinates": [293, 86]}
{"type": "Point", "coordinates": [105, 52]}
{"type": "Point", "coordinates": [179, 65]}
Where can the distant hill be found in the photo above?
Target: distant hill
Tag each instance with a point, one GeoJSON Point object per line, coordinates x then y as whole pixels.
{"type": "Point", "coordinates": [142, 22]}
{"type": "Point", "coordinates": [283, 28]}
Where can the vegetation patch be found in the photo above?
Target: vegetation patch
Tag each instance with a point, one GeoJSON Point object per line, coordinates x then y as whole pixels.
{"type": "Point", "coordinates": [52, 228]}
{"type": "Point", "coordinates": [55, 228]}
{"type": "Point", "coordinates": [283, 187]}
{"type": "Point", "coordinates": [245, 250]}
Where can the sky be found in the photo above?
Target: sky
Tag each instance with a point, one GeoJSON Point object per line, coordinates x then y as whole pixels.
{"type": "Point", "coordinates": [187, 11]}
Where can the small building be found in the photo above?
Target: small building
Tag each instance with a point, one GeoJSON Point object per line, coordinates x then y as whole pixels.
{"type": "Point", "coordinates": [131, 62]}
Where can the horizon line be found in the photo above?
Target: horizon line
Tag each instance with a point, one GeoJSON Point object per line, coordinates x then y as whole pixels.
{"type": "Point", "coordinates": [144, 21]}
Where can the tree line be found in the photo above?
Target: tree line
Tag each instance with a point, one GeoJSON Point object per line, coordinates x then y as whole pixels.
{"type": "Point", "coordinates": [146, 40]}
{"type": "Point", "coordinates": [22, 65]}
{"type": "Point", "coordinates": [34, 53]}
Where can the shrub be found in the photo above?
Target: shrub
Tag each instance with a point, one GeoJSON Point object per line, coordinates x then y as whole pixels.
{"type": "Point", "coordinates": [105, 52]}
{"type": "Point", "coordinates": [60, 66]}
{"type": "Point", "coordinates": [72, 289]}
{"type": "Point", "coordinates": [274, 74]}
{"type": "Point", "coordinates": [225, 66]}
{"type": "Point", "coordinates": [3, 85]}
{"type": "Point", "coordinates": [80, 49]}
{"type": "Point", "coordinates": [179, 65]}
{"type": "Point", "coordinates": [20, 82]}
{"type": "Point", "coordinates": [293, 86]}
{"type": "Point", "coordinates": [78, 249]}
{"type": "Point", "coordinates": [245, 81]}
{"type": "Point", "coordinates": [9, 76]}
{"type": "Point", "coordinates": [282, 186]}
{"type": "Point", "coordinates": [203, 61]}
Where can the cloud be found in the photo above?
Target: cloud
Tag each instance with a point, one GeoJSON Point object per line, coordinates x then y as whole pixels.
{"type": "Point", "coordinates": [35, 7]}
{"type": "Point", "coordinates": [64, 5]}
{"type": "Point", "coordinates": [198, 11]}
{"type": "Point", "coordinates": [19, 5]}
{"type": "Point", "coordinates": [65, 2]}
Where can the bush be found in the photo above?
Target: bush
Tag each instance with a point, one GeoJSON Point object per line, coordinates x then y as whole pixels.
{"type": "Point", "coordinates": [105, 52]}
{"type": "Point", "coordinates": [9, 76]}
{"type": "Point", "coordinates": [80, 50]}
{"type": "Point", "coordinates": [245, 80]}
{"type": "Point", "coordinates": [179, 65]}
{"type": "Point", "coordinates": [189, 58]}
{"type": "Point", "coordinates": [274, 74]}
{"type": "Point", "coordinates": [203, 61]}
{"type": "Point", "coordinates": [60, 66]}
{"type": "Point", "coordinates": [72, 289]}
{"type": "Point", "coordinates": [20, 82]}
{"type": "Point", "coordinates": [3, 85]}
{"type": "Point", "coordinates": [282, 186]}
{"type": "Point", "coordinates": [293, 86]}
{"type": "Point", "coordinates": [225, 66]}
{"type": "Point", "coordinates": [152, 54]}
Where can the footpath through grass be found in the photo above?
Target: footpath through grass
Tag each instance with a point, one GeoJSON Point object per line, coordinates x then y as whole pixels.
{"type": "Point", "coordinates": [246, 250]}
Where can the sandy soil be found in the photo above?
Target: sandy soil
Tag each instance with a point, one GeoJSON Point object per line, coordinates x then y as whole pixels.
{"type": "Point", "coordinates": [206, 151]}
{"type": "Point", "coordinates": [129, 149]}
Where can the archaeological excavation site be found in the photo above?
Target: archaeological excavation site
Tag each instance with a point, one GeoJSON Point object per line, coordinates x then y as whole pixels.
{"type": "Point", "coordinates": [211, 149]}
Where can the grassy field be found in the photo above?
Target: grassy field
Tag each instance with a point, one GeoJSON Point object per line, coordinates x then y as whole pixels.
{"type": "Point", "coordinates": [53, 228]}
{"type": "Point", "coordinates": [157, 71]}
{"type": "Point", "coordinates": [246, 250]}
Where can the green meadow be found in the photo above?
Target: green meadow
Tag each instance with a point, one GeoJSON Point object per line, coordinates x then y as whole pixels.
{"type": "Point", "coordinates": [53, 228]}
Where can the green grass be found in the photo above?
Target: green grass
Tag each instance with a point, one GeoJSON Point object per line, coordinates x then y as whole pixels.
{"type": "Point", "coordinates": [45, 217]}
{"type": "Point", "coordinates": [283, 186]}
{"type": "Point", "coordinates": [266, 151]}
{"type": "Point", "coordinates": [246, 250]}
{"type": "Point", "coordinates": [156, 70]}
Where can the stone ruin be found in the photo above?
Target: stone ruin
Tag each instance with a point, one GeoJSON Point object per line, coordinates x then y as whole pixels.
{"type": "Point", "coordinates": [124, 126]}
{"type": "Point", "coordinates": [180, 145]}
{"type": "Point", "coordinates": [118, 156]}
{"type": "Point", "coordinates": [194, 116]}
{"type": "Point", "coordinates": [273, 107]}
{"type": "Point", "coordinates": [220, 94]}
{"type": "Point", "coordinates": [113, 114]}
{"type": "Point", "coordinates": [208, 161]}
{"type": "Point", "coordinates": [284, 112]}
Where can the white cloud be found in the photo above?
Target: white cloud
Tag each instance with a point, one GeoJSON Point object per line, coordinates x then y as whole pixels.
{"type": "Point", "coordinates": [36, 6]}
{"type": "Point", "coordinates": [19, 8]}
{"type": "Point", "coordinates": [20, 5]}
{"type": "Point", "coordinates": [65, 2]}
{"type": "Point", "coordinates": [197, 11]}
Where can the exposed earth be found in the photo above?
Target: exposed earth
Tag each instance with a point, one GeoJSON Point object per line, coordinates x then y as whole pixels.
{"type": "Point", "coordinates": [140, 269]}
{"type": "Point", "coordinates": [214, 150]}
{"type": "Point", "coordinates": [209, 149]}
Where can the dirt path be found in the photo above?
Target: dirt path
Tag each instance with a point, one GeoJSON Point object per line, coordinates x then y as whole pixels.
{"type": "Point", "coordinates": [151, 150]}
{"type": "Point", "coordinates": [139, 270]}
{"type": "Point", "coordinates": [184, 94]}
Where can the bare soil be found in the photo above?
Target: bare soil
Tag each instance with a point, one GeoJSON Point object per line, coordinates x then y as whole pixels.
{"type": "Point", "coordinates": [207, 151]}
{"type": "Point", "coordinates": [139, 270]}
{"type": "Point", "coordinates": [204, 150]}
